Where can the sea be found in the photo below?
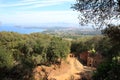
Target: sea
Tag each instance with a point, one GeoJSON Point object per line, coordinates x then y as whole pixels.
{"type": "Point", "coordinates": [21, 30]}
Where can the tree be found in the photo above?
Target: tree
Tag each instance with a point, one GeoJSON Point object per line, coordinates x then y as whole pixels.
{"type": "Point", "coordinates": [97, 12]}
{"type": "Point", "coordinates": [110, 69]}
{"type": "Point", "coordinates": [6, 58]}
{"type": "Point", "coordinates": [100, 13]}
{"type": "Point", "coordinates": [79, 46]}
{"type": "Point", "coordinates": [113, 32]}
{"type": "Point", "coordinates": [107, 71]}
{"type": "Point", "coordinates": [57, 49]}
{"type": "Point", "coordinates": [103, 46]}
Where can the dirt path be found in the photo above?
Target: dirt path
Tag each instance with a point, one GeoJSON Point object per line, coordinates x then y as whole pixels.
{"type": "Point", "coordinates": [71, 69]}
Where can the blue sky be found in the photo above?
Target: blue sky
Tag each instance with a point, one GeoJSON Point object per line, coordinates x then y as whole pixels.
{"type": "Point", "coordinates": [38, 13]}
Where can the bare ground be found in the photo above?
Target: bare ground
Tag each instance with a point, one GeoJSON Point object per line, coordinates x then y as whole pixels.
{"type": "Point", "coordinates": [71, 69]}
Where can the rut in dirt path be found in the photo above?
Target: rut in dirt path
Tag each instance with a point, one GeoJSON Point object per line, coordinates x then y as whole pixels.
{"type": "Point", "coordinates": [69, 69]}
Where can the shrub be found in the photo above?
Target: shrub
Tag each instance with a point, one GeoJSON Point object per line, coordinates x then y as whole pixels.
{"type": "Point", "coordinates": [108, 71]}
{"type": "Point", "coordinates": [6, 58]}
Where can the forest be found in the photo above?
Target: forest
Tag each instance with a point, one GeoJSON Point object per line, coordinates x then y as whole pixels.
{"type": "Point", "coordinates": [21, 53]}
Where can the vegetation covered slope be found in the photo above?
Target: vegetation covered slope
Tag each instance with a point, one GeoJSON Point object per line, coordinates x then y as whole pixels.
{"type": "Point", "coordinates": [20, 53]}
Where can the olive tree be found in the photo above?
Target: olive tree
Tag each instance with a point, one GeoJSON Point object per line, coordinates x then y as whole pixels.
{"type": "Point", "coordinates": [99, 13]}
{"type": "Point", "coordinates": [113, 32]}
{"type": "Point", "coordinates": [57, 49]}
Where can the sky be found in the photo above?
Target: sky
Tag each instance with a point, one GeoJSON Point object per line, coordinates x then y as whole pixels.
{"type": "Point", "coordinates": [29, 13]}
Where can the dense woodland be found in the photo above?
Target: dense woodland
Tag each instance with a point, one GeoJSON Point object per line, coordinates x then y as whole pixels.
{"type": "Point", "coordinates": [20, 53]}
{"type": "Point", "coordinates": [102, 13]}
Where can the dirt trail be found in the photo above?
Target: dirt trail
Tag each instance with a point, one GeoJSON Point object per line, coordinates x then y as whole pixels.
{"type": "Point", "coordinates": [72, 69]}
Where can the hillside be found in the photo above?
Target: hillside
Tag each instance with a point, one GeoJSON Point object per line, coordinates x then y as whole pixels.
{"type": "Point", "coordinates": [41, 56]}
{"type": "Point", "coordinates": [71, 69]}
{"type": "Point", "coordinates": [71, 32]}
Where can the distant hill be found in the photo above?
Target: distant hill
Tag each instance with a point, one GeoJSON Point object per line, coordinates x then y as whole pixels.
{"type": "Point", "coordinates": [71, 31]}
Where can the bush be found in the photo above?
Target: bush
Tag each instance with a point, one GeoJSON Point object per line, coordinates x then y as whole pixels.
{"type": "Point", "coordinates": [58, 49]}
{"type": "Point", "coordinates": [6, 58]}
{"type": "Point", "coordinates": [108, 71]}
{"type": "Point", "coordinates": [6, 63]}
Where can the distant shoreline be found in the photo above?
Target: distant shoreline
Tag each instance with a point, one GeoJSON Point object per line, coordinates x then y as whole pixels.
{"type": "Point", "coordinates": [20, 29]}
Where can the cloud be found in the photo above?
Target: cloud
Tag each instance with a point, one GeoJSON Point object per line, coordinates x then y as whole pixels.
{"type": "Point", "coordinates": [34, 3]}
{"type": "Point", "coordinates": [34, 17]}
{"type": "Point", "coordinates": [40, 17]}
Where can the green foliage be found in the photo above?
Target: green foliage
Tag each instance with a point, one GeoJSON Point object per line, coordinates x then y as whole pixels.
{"type": "Point", "coordinates": [20, 53]}
{"type": "Point", "coordinates": [6, 58]}
{"type": "Point", "coordinates": [86, 44]}
{"type": "Point", "coordinates": [113, 32]}
{"type": "Point", "coordinates": [108, 71]}
{"type": "Point", "coordinates": [58, 48]}
{"type": "Point", "coordinates": [79, 47]}
{"type": "Point", "coordinates": [6, 63]}
{"type": "Point", "coordinates": [92, 51]}
{"type": "Point", "coordinates": [38, 59]}
{"type": "Point", "coordinates": [104, 46]}
{"type": "Point", "coordinates": [96, 12]}
{"type": "Point", "coordinates": [35, 46]}
{"type": "Point", "coordinates": [82, 46]}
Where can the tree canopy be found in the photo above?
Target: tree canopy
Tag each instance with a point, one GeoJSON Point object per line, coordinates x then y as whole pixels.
{"type": "Point", "coordinates": [20, 53]}
{"type": "Point", "coordinates": [113, 32]}
{"type": "Point", "coordinates": [109, 70]}
{"type": "Point", "coordinates": [97, 12]}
